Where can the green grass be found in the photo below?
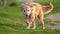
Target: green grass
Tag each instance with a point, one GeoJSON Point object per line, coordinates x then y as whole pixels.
{"type": "Point", "coordinates": [12, 20]}
{"type": "Point", "coordinates": [20, 29]}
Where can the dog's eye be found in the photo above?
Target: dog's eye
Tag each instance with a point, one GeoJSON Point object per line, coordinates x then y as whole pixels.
{"type": "Point", "coordinates": [24, 10]}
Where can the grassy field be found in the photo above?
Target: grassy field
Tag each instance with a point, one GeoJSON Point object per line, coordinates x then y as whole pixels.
{"type": "Point", "coordinates": [12, 20]}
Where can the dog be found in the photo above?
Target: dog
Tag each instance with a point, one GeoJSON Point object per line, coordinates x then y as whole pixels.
{"type": "Point", "coordinates": [31, 10]}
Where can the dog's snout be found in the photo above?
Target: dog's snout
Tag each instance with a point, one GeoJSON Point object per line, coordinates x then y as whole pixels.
{"type": "Point", "coordinates": [26, 15]}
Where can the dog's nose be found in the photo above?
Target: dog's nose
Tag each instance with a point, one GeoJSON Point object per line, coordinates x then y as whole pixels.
{"type": "Point", "coordinates": [26, 15]}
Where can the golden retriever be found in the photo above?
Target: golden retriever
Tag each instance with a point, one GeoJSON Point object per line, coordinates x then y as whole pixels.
{"type": "Point", "coordinates": [31, 10]}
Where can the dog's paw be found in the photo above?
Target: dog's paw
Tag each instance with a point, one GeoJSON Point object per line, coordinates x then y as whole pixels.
{"type": "Point", "coordinates": [27, 28]}
{"type": "Point", "coordinates": [34, 28]}
{"type": "Point", "coordinates": [43, 28]}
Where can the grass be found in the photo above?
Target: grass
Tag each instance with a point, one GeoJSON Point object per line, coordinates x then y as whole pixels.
{"type": "Point", "coordinates": [18, 29]}
{"type": "Point", "coordinates": [12, 20]}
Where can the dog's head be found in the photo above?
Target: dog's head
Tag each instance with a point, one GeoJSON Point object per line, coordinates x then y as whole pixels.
{"type": "Point", "coordinates": [28, 9]}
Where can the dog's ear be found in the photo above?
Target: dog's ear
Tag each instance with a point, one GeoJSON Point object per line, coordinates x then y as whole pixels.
{"type": "Point", "coordinates": [21, 8]}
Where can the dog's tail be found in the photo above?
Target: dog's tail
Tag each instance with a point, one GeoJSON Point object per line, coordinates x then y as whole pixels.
{"type": "Point", "coordinates": [47, 9]}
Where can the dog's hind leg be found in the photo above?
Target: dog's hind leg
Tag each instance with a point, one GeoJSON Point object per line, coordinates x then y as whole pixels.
{"type": "Point", "coordinates": [41, 18]}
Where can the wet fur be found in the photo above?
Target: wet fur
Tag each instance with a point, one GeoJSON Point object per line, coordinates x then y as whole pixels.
{"type": "Point", "coordinates": [37, 11]}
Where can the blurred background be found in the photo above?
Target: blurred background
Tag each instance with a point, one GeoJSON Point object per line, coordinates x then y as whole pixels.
{"type": "Point", "coordinates": [12, 20]}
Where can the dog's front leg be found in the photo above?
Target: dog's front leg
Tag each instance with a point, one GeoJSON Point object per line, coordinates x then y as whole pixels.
{"type": "Point", "coordinates": [34, 24]}
{"type": "Point", "coordinates": [28, 23]}
{"type": "Point", "coordinates": [33, 20]}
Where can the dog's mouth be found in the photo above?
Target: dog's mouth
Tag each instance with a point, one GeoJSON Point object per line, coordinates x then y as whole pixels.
{"type": "Point", "coordinates": [28, 17]}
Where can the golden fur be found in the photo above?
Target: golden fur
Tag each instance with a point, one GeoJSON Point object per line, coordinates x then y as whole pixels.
{"type": "Point", "coordinates": [31, 10]}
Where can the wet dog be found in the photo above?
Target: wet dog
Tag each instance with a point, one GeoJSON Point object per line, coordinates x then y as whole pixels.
{"type": "Point", "coordinates": [31, 10]}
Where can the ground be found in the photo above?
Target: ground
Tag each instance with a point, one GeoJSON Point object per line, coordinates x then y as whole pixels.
{"type": "Point", "coordinates": [54, 19]}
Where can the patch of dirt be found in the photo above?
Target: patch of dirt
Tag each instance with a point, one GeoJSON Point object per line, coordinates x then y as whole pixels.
{"type": "Point", "coordinates": [57, 27]}
{"type": "Point", "coordinates": [54, 18]}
